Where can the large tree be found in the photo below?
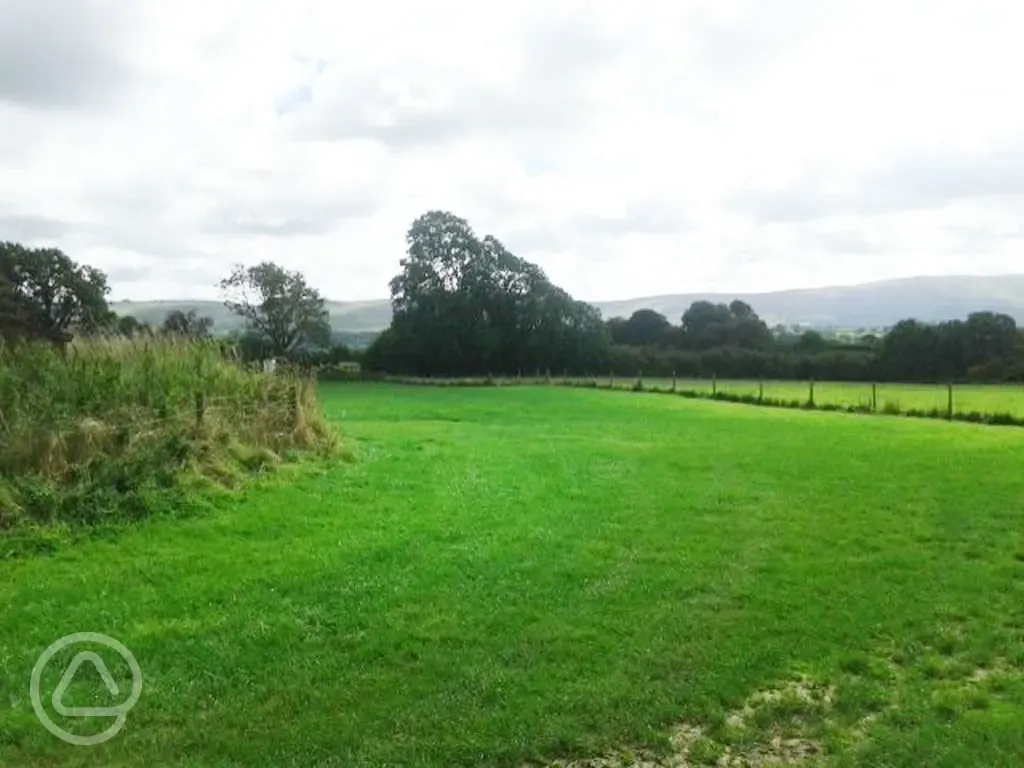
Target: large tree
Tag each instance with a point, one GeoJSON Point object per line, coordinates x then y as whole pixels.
{"type": "Point", "coordinates": [706, 326]}
{"type": "Point", "coordinates": [465, 304]}
{"type": "Point", "coordinates": [645, 327]}
{"type": "Point", "coordinates": [44, 294]}
{"type": "Point", "coordinates": [288, 314]}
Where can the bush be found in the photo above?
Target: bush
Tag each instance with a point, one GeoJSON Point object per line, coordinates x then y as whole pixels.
{"type": "Point", "coordinates": [113, 430]}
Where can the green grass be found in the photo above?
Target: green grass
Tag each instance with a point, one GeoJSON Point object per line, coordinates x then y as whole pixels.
{"type": "Point", "coordinates": [983, 398]}
{"type": "Point", "coordinates": [514, 573]}
{"type": "Point", "coordinates": [967, 398]}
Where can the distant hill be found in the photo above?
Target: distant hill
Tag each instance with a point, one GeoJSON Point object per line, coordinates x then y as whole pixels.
{"type": "Point", "coordinates": [346, 316]}
{"type": "Point", "coordinates": [871, 305]}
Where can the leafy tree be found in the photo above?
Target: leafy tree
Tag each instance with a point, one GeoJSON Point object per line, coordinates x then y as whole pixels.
{"type": "Point", "coordinates": [44, 294]}
{"type": "Point", "coordinates": [706, 326]}
{"type": "Point", "coordinates": [811, 341]}
{"type": "Point", "coordinates": [990, 336]}
{"type": "Point", "coordinates": [643, 328]}
{"type": "Point", "coordinates": [279, 306]}
{"type": "Point", "coordinates": [464, 304]}
{"type": "Point", "coordinates": [702, 317]}
{"type": "Point", "coordinates": [129, 326]}
{"type": "Point", "coordinates": [188, 324]}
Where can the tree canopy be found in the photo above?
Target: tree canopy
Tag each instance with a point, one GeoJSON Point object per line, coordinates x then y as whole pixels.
{"type": "Point", "coordinates": [44, 294]}
{"type": "Point", "coordinates": [279, 306]}
{"type": "Point", "coordinates": [465, 304]}
{"type": "Point", "coordinates": [188, 324]}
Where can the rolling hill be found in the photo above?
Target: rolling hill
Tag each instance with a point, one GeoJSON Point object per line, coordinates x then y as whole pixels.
{"type": "Point", "coordinates": [870, 305]}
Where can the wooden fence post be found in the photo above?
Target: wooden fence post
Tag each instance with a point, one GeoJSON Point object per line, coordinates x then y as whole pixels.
{"type": "Point", "coordinates": [810, 394]}
{"type": "Point", "coordinates": [949, 403]}
{"type": "Point", "coordinates": [874, 397]}
{"type": "Point", "coordinates": [673, 381]}
{"type": "Point", "coordinates": [714, 384]}
{"type": "Point", "coordinates": [296, 404]}
{"type": "Point", "coordinates": [760, 390]}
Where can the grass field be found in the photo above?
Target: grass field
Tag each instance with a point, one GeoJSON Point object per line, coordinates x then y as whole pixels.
{"type": "Point", "coordinates": [980, 398]}
{"type": "Point", "coordinates": [977, 397]}
{"type": "Point", "coordinates": [983, 398]}
{"type": "Point", "coordinates": [520, 573]}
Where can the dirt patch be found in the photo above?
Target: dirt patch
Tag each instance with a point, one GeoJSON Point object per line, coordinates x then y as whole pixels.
{"type": "Point", "coordinates": [780, 744]}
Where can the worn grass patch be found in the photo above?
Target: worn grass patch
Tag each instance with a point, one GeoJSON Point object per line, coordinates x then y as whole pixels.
{"type": "Point", "coordinates": [515, 576]}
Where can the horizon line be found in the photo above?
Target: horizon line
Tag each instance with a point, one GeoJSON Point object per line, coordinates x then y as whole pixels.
{"type": "Point", "coordinates": [998, 275]}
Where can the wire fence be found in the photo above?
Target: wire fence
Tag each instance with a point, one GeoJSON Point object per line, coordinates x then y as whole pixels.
{"type": "Point", "coordinates": [200, 408]}
{"type": "Point", "coordinates": [987, 404]}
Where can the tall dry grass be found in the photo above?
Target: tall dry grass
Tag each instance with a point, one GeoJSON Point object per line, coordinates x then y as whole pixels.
{"type": "Point", "coordinates": [112, 428]}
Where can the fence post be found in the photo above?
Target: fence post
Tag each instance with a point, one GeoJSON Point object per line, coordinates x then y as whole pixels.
{"type": "Point", "coordinates": [949, 403]}
{"type": "Point", "coordinates": [874, 397]}
{"type": "Point", "coordinates": [760, 389]}
{"type": "Point", "coordinates": [296, 404]}
{"type": "Point", "coordinates": [200, 407]}
{"type": "Point", "coordinates": [714, 384]}
{"type": "Point", "coordinates": [810, 394]}
{"type": "Point", "coordinates": [673, 381]}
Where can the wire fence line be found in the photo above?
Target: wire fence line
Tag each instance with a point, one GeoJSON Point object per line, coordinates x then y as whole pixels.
{"type": "Point", "coordinates": [193, 410]}
{"type": "Point", "coordinates": [996, 405]}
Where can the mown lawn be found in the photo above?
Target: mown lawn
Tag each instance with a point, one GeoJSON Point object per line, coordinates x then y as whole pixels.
{"type": "Point", "coordinates": [536, 572]}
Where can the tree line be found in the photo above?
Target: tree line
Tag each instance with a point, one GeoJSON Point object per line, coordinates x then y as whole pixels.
{"type": "Point", "coordinates": [464, 305]}
{"type": "Point", "coordinates": [732, 342]}
{"type": "Point", "coordinates": [46, 296]}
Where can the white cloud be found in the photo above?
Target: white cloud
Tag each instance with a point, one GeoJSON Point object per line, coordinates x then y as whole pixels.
{"type": "Point", "coordinates": [630, 149]}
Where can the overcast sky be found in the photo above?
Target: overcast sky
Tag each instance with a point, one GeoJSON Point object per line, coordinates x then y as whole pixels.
{"type": "Point", "coordinates": [629, 148]}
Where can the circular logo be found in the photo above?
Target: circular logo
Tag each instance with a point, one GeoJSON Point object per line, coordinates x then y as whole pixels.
{"type": "Point", "coordinates": [119, 712]}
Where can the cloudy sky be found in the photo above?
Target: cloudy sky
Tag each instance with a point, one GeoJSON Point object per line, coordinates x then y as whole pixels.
{"type": "Point", "coordinates": [631, 149]}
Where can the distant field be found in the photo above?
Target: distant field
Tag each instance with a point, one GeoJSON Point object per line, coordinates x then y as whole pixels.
{"type": "Point", "coordinates": [977, 397]}
{"type": "Point", "coordinates": [980, 397]}
{"type": "Point", "coordinates": [527, 573]}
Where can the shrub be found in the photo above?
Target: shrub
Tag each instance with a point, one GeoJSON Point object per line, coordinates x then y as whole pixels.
{"type": "Point", "coordinates": [1004, 419]}
{"type": "Point", "coordinates": [112, 429]}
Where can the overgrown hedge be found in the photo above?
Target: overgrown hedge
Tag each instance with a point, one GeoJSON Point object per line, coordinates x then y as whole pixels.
{"type": "Point", "coordinates": [117, 430]}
